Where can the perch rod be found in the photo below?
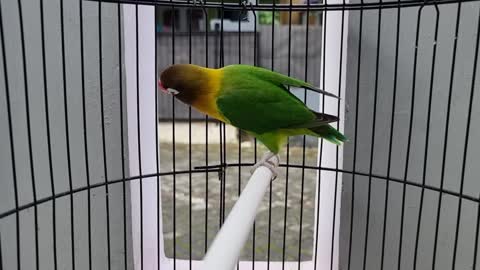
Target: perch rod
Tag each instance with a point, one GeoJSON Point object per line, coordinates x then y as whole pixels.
{"type": "Point", "coordinates": [225, 250]}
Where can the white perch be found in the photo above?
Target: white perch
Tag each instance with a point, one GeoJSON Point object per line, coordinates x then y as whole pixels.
{"type": "Point", "coordinates": [225, 250]}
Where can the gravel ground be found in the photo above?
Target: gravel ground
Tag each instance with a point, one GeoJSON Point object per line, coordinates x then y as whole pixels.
{"type": "Point", "coordinates": [205, 208]}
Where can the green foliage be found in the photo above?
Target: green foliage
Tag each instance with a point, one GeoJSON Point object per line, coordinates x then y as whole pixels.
{"type": "Point", "coordinates": [266, 17]}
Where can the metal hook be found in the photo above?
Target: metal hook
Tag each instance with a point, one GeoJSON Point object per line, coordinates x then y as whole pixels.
{"type": "Point", "coordinates": [244, 5]}
{"type": "Point", "coordinates": [253, 10]}
{"type": "Point", "coordinates": [426, 1]}
{"type": "Point", "coordinates": [435, 4]}
{"type": "Point", "coordinates": [203, 7]}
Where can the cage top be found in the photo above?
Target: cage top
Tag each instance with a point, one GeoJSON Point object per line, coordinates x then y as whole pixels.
{"type": "Point", "coordinates": [244, 4]}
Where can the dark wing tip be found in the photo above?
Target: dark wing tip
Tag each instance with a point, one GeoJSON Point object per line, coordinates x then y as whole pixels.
{"type": "Point", "coordinates": [325, 118]}
{"type": "Point", "coordinates": [320, 91]}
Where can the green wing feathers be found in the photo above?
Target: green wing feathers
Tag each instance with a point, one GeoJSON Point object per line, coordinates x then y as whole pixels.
{"type": "Point", "coordinates": [277, 78]}
{"type": "Point", "coordinates": [257, 100]}
{"type": "Point", "coordinates": [254, 103]}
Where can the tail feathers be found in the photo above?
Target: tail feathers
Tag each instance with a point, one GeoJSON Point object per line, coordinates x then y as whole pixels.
{"type": "Point", "coordinates": [329, 133]}
{"type": "Point", "coordinates": [321, 120]}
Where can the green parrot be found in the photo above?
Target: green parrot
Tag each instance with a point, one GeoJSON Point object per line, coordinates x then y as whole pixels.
{"type": "Point", "coordinates": [253, 99]}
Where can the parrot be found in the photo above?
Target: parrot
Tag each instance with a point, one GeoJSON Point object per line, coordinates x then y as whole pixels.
{"type": "Point", "coordinates": [253, 99]}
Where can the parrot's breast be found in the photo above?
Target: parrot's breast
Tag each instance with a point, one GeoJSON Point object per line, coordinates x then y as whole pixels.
{"type": "Point", "coordinates": [207, 101]}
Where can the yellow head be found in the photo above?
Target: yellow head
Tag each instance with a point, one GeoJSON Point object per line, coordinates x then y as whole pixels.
{"type": "Point", "coordinates": [194, 85]}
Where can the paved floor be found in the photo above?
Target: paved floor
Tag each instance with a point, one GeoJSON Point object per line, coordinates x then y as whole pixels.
{"type": "Point", "coordinates": [205, 203]}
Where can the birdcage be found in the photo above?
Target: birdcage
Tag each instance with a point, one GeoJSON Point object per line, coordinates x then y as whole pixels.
{"type": "Point", "coordinates": [99, 170]}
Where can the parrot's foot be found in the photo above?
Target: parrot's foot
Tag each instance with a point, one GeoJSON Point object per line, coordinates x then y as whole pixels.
{"type": "Point", "coordinates": [269, 160]}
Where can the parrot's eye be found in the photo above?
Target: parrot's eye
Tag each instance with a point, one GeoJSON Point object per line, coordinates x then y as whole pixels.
{"type": "Point", "coordinates": [172, 91]}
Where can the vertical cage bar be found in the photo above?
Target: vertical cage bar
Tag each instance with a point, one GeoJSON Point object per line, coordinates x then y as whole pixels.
{"type": "Point", "coordinates": [102, 115]}
{"type": "Point", "coordinates": [12, 144]}
{"type": "Point", "coordinates": [122, 137]}
{"type": "Point", "coordinates": [222, 162]}
{"type": "Point", "coordinates": [390, 145]}
{"type": "Point", "coordinates": [29, 132]}
{"type": "Point", "coordinates": [139, 144]}
{"type": "Point", "coordinates": [205, 13]}
{"type": "Point", "coordinates": [407, 158]}
{"type": "Point", "coordinates": [427, 136]}
{"type": "Point", "coordinates": [189, 147]}
{"type": "Point", "coordinates": [255, 63]}
{"type": "Point", "coordinates": [223, 152]}
{"type": "Point", "coordinates": [474, 81]}
{"type": "Point", "coordinates": [67, 136]}
{"type": "Point", "coordinates": [173, 150]}
{"type": "Point", "coordinates": [157, 168]}
{"type": "Point", "coordinates": [85, 134]}
{"type": "Point", "coordinates": [355, 137]}
{"type": "Point", "coordinates": [322, 63]}
{"type": "Point", "coordinates": [320, 148]}
{"type": "Point", "coordinates": [302, 189]}
{"type": "Point", "coordinates": [465, 151]}
{"type": "Point", "coordinates": [244, 11]}
{"type": "Point", "coordinates": [337, 147]}
{"type": "Point", "coordinates": [220, 176]}
{"type": "Point", "coordinates": [287, 171]}
{"type": "Point", "coordinates": [140, 67]}
{"type": "Point", "coordinates": [270, 189]}
{"type": "Point", "coordinates": [224, 157]}
{"type": "Point", "coordinates": [445, 146]}
{"type": "Point", "coordinates": [49, 144]}
{"type": "Point", "coordinates": [372, 142]}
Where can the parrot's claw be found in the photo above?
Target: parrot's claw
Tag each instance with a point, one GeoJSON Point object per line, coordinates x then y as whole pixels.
{"type": "Point", "coordinates": [269, 160]}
